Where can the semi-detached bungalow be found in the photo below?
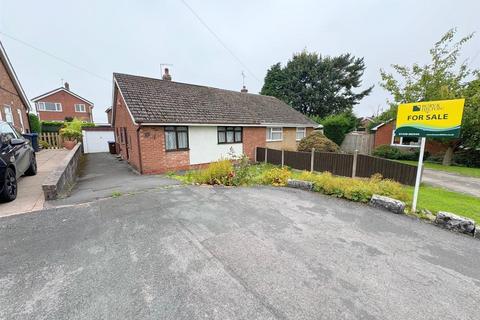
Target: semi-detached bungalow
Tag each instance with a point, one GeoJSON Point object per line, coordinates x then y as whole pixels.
{"type": "Point", "coordinates": [161, 125]}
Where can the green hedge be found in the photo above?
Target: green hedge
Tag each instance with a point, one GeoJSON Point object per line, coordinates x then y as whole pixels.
{"type": "Point", "coordinates": [34, 123]}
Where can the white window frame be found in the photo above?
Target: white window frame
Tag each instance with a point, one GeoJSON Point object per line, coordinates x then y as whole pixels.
{"type": "Point", "coordinates": [300, 130]}
{"type": "Point", "coordinates": [80, 105]}
{"type": "Point", "coordinates": [41, 107]}
{"type": "Point", "coordinates": [272, 130]}
{"type": "Point", "coordinates": [8, 114]}
{"type": "Point", "coordinates": [19, 112]}
{"type": "Point", "coordinates": [401, 145]}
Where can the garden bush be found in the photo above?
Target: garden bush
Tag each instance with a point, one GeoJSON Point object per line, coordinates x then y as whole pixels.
{"type": "Point", "coordinates": [318, 141]}
{"type": "Point", "coordinates": [276, 176]}
{"type": "Point", "coordinates": [52, 126]}
{"type": "Point", "coordinates": [34, 123]}
{"type": "Point", "coordinates": [355, 189]}
{"type": "Point", "coordinates": [388, 152]}
{"type": "Point", "coordinates": [336, 126]}
{"type": "Point", "coordinates": [220, 172]}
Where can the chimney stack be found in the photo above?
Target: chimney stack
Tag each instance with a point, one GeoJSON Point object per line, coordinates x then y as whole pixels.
{"type": "Point", "coordinates": [166, 75]}
{"type": "Point", "coordinates": [67, 86]}
{"type": "Point", "coordinates": [244, 89]}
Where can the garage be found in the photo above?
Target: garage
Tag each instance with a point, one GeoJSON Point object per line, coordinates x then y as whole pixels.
{"type": "Point", "coordinates": [95, 139]}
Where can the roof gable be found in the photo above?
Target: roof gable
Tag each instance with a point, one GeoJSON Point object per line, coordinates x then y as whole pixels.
{"type": "Point", "coordinates": [49, 93]}
{"type": "Point", "coordinates": [151, 100]}
{"type": "Point", "coordinates": [13, 76]}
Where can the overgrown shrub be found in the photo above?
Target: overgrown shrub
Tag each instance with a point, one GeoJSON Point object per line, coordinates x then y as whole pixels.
{"type": "Point", "coordinates": [44, 144]}
{"type": "Point", "coordinates": [388, 152]}
{"type": "Point", "coordinates": [70, 134]}
{"type": "Point", "coordinates": [318, 141]}
{"type": "Point", "coordinates": [356, 189]}
{"type": "Point", "coordinates": [336, 126]}
{"type": "Point", "coordinates": [52, 126]}
{"type": "Point", "coordinates": [220, 172]}
{"type": "Point", "coordinates": [34, 123]}
{"type": "Point", "coordinates": [468, 158]}
{"type": "Point", "coordinates": [276, 176]}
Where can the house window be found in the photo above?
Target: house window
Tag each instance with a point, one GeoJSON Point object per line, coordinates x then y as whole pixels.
{"type": "Point", "coordinates": [229, 134]}
{"type": "Point", "coordinates": [80, 107]}
{"type": "Point", "coordinates": [49, 106]}
{"type": "Point", "coordinates": [21, 120]}
{"type": "Point", "coordinates": [176, 138]}
{"type": "Point", "coordinates": [8, 114]}
{"type": "Point", "coordinates": [275, 134]}
{"type": "Point", "coordinates": [301, 133]}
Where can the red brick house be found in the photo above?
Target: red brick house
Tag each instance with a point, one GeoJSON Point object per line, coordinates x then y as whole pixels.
{"type": "Point", "coordinates": [384, 134]}
{"type": "Point", "coordinates": [61, 103]}
{"type": "Point", "coordinates": [162, 125]}
{"type": "Point", "coordinates": [14, 104]}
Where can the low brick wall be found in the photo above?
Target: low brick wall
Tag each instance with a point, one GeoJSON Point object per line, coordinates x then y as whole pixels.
{"type": "Point", "coordinates": [63, 177]}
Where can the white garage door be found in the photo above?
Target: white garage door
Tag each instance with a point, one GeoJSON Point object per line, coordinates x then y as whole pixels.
{"type": "Point", "coordinates": [96, 141]}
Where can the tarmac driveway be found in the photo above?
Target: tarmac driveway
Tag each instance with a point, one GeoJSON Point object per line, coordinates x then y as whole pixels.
{"type": "Point", "coordinates": [233, 253]}
{"type": "Point", "coordinates": [102, 175]}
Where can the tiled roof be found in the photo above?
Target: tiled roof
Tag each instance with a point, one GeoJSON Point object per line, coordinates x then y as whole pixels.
{"type": "Point", "coordinates": [161, 101]}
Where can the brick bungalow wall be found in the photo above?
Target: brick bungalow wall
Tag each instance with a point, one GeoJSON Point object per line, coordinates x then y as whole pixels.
{"type": "Point", "coordinates": [124, 127]}
{"type": "Point", "coordinates": [383, 135]}
{"type": "Point", "coordinates": [253, 137]}
{"type": "Point", "coordinates": [68, 102]}
{"type": "Point", "coordinates": [10, 97]}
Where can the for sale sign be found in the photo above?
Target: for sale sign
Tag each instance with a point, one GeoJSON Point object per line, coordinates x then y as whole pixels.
{"type": "Point", "coordinates": [437, 119]}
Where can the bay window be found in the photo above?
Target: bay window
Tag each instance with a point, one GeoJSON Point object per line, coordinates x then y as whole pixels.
{"type": "Point", "coordinates": [176, 138]}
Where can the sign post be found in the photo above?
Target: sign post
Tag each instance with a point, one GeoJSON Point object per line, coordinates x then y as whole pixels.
{"type": "Point", "coordinates": [435, 119]}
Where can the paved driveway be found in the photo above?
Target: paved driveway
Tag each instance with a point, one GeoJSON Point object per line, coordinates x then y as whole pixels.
{"type": "Point", "coordinates": [30, 194]}
{"type": "Point", "coordinates": [452, 181]}
{"type": "Point", "coordinates": [101, 175]}
{"type": "Point", "coordinates": [233, 253]}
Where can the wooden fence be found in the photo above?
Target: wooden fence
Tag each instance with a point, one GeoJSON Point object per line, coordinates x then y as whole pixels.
{"type": "Point", "coordinates": [53, 139]}
{"type": "Point", "coordinates": [348, 165]}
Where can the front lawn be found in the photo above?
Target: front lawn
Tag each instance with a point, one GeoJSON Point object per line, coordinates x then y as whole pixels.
{"type": "Point", "coordinates": [464, 171]}
{"type": "Point", "coordinates": [439, 199]}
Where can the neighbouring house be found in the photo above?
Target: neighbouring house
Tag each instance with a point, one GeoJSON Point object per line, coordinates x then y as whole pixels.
{"type": "Point", "coordinates": [61, 104]}
{"type": "Point", "coordinates": [162, 125]}
{"type": "Point", "coordinates": [14, 104]}
{"type": "Point", "coordinates": [384, 134]}
{"type": "Point", "coordinates": [363, 123]}
{"type": "Point", "coordinates": [108, 111]}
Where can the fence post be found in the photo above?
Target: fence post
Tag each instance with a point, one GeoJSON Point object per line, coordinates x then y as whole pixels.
{"type": "Point", "coordinates": [354, 166]}
{"type": "Point", "coordinates": [255, 155]}
{"type": "Point", "coordinates": [283, 157]}
{"type": "Point", "coordinates": [312, 159]}
{"type": "Point", "coordinates": [266, 154]}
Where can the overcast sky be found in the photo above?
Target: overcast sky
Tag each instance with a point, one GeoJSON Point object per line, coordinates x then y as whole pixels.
{"type": "Point", "coordinates": [137, 36]}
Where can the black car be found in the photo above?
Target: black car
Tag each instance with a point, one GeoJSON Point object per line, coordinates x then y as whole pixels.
{"type": "Point", "coordinates": [17, 158]}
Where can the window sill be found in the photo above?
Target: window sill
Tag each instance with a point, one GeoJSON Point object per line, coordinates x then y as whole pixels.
{"type": "Point", "coordinates": [50, 111]}
{"type": "Point", "coordinates": [275, 140]}
{"type": "Point", "coordinates": [229, 142]}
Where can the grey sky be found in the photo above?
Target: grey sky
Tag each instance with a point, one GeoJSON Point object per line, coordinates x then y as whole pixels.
{"type": "Point", "coordinates": [137, 36]}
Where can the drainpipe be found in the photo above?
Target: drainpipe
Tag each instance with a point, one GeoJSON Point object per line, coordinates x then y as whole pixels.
{"type": "Point", "coordinates": [139, 150]}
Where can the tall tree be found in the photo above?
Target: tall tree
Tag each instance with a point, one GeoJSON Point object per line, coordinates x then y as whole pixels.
{"type": "Point", "coordinates": [317, 85]}
{"type": "Point", "coordinates": [442, 78]}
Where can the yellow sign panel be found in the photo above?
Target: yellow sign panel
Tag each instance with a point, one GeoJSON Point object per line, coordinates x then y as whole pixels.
{"type": "Point", "coordinates": [441, 118]}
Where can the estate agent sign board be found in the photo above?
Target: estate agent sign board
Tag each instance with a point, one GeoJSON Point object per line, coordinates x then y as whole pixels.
{"type": "Point", "coordinates": [435, 119]}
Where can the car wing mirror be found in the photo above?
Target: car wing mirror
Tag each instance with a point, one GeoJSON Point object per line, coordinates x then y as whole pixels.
{"type": "Point", "coordinates": [16, 142]}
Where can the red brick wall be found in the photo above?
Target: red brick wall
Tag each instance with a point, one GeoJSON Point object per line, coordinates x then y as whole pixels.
{"type": "Point", "coordinates": [154, 157]}
{"type": "Point", "coordinates": [128, 151]}
{"type": "Point", "coordinates": [253, 137]}
{"type": "Point", "coordinates": [68, 102]}
{"type": "Point", "coordinates": [9, 96]}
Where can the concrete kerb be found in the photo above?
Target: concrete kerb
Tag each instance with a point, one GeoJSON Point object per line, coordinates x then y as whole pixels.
{"type": "Point", "coordinates": [62, 179]}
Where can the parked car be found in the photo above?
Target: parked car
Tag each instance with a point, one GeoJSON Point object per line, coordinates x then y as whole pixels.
{"type": "Point", "coordinates": [17, 158]}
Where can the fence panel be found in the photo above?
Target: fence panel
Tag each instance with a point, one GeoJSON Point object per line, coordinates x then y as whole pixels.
{"type": "Point", "coordinates": [53, 139]}
{"type": "Point", "coordinates": [274, 156]}
{"type": "Point", "coordinates": [260, 154]}
{"type": "Point", "coordinates": [403, 173]}
{"type": "Point", "coordinates": [297, 160]}
{"type": "Point", "coordinates": [336, 163]}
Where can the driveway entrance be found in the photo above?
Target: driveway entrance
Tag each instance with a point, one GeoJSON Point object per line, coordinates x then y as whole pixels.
{"type": "Point", "coordinates": [30, 194]}
{"type": "Point", "coordinates": [103, 175]}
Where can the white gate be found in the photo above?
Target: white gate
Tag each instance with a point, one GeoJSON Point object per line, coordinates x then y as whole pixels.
{"type": "Point", "coordinates": [95, 140]}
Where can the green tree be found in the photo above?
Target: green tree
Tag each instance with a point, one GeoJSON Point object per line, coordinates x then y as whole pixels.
{"type": "Point", "coordinates": [336, 126]}
{"type": "Point", "coordinates": [317, 85]}
{"type": "Point", "coordinates": [442, 78]}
